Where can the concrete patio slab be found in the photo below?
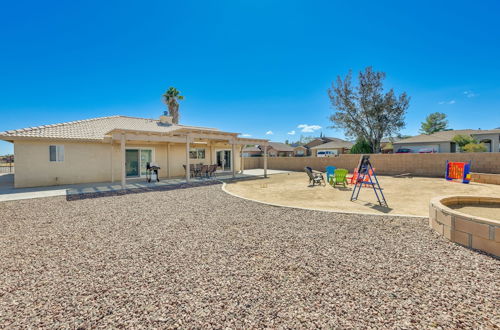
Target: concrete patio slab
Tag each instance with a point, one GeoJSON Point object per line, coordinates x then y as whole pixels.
{"type": "Point", "coordinates": [9, 193]}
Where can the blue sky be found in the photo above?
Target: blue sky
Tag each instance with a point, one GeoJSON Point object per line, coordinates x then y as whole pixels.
{"type": "Point", "coordinates": [244, 66]}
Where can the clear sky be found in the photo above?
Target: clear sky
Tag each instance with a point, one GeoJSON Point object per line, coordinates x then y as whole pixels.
{"type": "Point", "coordinates": [248, 66]}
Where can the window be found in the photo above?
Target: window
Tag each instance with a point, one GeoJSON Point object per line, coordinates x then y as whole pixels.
{"type": "Point", "coordinates": [197, 153]}
{"type": "Point", "coordinates": [56, 153]}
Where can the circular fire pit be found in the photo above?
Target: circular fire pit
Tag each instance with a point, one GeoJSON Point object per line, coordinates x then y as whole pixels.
{"type": "Point", "coordinates": [470, 221]}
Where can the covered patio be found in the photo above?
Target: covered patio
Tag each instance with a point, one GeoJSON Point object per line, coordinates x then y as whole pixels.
{"type": "Point", "coordinates": [219, 148]}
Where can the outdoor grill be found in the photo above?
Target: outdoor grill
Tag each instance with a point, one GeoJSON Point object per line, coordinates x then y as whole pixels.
{"type": "Point", "coordinates": [152, 172]}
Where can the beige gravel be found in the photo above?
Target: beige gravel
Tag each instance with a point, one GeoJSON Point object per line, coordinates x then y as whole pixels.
{"type": "Point", "coordinates": [199, 257]}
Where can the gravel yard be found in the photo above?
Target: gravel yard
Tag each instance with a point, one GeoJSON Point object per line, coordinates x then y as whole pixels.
{"type": "Point", "coordinates": [199, 257]}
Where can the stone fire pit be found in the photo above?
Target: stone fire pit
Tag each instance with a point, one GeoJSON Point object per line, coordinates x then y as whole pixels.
{"type": "Point", "coordinates": [470, 221]}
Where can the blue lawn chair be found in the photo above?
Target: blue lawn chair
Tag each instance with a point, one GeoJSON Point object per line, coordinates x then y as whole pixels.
{"type": "Point", "coordinates": [330, 170]}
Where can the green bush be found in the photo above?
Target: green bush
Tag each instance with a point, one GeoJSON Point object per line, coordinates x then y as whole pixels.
{"type": "Point", "coordinates": [361, 147]}
{"type": "Point", "coordinates": [474, 147]}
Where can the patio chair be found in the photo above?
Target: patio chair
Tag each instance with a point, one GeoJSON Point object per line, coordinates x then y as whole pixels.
{"type": "Point", "coordinates": [204, 171]}
{"type": "Point", "coordinates": [352, 179]}
{"type": "Point", "coordinates": [191, 169]}
{"type": "Point", "coordinates": [340, 176]}
{"type": "Point", "coordinates": [330, 174]}
{"type": "Point", "coordinates": [314, 176]}
{"type": "Point", "coordinates": [211, 170]}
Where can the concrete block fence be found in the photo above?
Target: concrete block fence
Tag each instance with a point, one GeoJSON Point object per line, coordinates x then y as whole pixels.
{"type": "Point", "coordinates": [431, 165]}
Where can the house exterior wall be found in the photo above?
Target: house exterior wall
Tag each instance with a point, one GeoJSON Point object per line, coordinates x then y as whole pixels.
{"type": "Point", "coordinates": [495, 140]}
{"type": "Point", "coordinates": [314, 152]}
{"type": "Point", "coordinates": [83, 162]}
{"type": "Point", "coordinates": [443, 147]}
{"type": "Point", "coordinates": [98, 162]}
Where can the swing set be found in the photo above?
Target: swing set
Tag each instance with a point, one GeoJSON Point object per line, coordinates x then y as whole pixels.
{"type": "Point", "coordinates": [367, 177]}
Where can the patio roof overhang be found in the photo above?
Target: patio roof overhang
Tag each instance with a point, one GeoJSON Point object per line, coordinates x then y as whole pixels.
{"type": "Point", "coordinates": [181, 136]}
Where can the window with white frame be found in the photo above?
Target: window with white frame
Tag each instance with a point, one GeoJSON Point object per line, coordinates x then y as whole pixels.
{"type": "Point", "coordinates": [197, 153]}
{"type": "Point", "coordinates": [56, 153]}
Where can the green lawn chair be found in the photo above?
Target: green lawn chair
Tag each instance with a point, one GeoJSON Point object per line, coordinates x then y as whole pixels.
{"type": "Point", "coordinates": [340, 177]}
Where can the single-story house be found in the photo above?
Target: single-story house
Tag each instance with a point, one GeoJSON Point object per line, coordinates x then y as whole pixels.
{"type": "Point", "coordinates": [387, 146]}
{"type": "Point", "coordinates": [251, 151]}
{"type": "Point", "coordinates": [300, 151]}
{"type": "Point", "coordinates": [442, 141]}
{"type": "Point", "coordinates": [116, 148]}
{"type": "Point", "coordinates": [334, 147]}
{"type": "Point", "coordinates": [278, 149]}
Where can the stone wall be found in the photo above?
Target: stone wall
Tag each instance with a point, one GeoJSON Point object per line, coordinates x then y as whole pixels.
{"type": "Point", "coordinates": [485, 178]}
{"type": "Point", "coordinates": [432, 165]}
{"type": "Point", "coordinates": [467, 230]}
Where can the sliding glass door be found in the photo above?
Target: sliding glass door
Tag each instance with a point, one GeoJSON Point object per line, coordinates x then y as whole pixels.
{"type": "Point", "coordinates": [223, 158]}
{"type": "Point", "coordinates": [136, 160]}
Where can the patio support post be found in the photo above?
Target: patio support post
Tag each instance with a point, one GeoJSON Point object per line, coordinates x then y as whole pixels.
{"type": "Point", "coordinates": [242, 160]}
{"type": "Point", "coordinates": [122, 157]}
{"type": "Point", "coordinates": [265, 161]}
{"type": "Point", "coordinates": [233, 157]}
{"type": "Point", "coordinates": [111, 163]}
{"type": "Point", "coordinates": [188, 172]}
{"type": "Point", "coordinates": [168, 160]}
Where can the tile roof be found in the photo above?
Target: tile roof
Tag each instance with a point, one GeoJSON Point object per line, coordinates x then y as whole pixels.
{"type": "Point", "coordinates": [251, 149]}
{"type": "Point", "coordinates": [278, 146]}
{"type": "Point", "coordinates": [95, 128]}
{"type": "Point", "coordinates": [334, 144]}
{"type": "Point", "coordinates": [444, 136]}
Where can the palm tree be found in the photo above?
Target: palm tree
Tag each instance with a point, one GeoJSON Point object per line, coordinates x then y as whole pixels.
{"type": "Point", "coordinates": [171, 96]}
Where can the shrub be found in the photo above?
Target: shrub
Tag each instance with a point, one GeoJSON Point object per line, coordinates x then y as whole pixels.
{"type": "Point", "coordinates": [361, 147]}
{"type": "Point", "coordinates": [474, 147]}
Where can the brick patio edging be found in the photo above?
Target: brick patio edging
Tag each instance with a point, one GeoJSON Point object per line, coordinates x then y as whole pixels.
{"type": "Point", "coordinates": [485, 178]}
{"type": "Point", "coordinates": [470, 231]}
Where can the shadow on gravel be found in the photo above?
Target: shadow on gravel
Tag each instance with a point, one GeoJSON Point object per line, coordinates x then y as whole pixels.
{"type": "Point", "coordinates": [193, 184]}
{"type": "Point", "coordinates": [80, 196]}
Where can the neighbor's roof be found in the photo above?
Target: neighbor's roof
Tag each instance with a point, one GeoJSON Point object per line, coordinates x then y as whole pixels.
{"type": "Point", "coordinates": [281, 146]}
{"type": "Point", "coordinates": [445, 136]}
{"type": "Point", "coordinates": [390, 139]}
{"type": "Point", "coordinates": [251, 149]}
{"type": "Point", "coordinates": [96, 129]}
{"type": "Point", "coordinates": [334, 144]}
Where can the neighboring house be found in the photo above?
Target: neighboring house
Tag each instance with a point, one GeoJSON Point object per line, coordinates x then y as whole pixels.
{"type": "Point", "coordinates": [300, 151]}
{"type": "Point", "coordinates": [278, 149]}
{"type": "Point", "coordinates": [319, 141]}
{"type": "Point", "coordinates": [332, 148]}
{"type": "Point", "coordinates": [442, 141]}
{"type": "Point", "coordinates": [387, 144]}
{"type": "Point", "coordinates": [314, 143]}
{"type": "Point", "coordinates": [253, 151]}
{"type": "Point", "coordinates": [116, 148]}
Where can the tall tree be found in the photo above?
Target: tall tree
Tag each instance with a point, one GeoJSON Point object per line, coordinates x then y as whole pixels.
{"type": "Point", "coordinates": [365, 111]}
{"type": "Point", "coordinates": [171, 98]}
{"type": "Point", "coordinates": [435, 122]}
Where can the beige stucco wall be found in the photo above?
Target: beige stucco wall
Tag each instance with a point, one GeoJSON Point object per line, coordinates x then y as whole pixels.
{"type": "Point", "coordinates": [83, 162]}
{"type": "Point", "coordinates": [98, 162]}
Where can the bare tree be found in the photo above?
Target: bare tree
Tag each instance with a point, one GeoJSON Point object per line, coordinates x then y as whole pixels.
{"type": "Point", "coordinates": [365, 111]}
